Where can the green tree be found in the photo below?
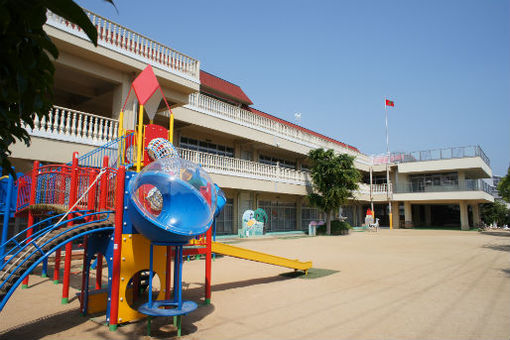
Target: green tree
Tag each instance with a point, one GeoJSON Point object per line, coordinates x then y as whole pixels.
{"type": "Point", "coordinates": [26, 67]}
{"type": "Point", "coordinates": [504, 187]}
{"type": "Point", "coordinates": [334, 180]}
{"type": "Point", "coordinates": [495, 212]}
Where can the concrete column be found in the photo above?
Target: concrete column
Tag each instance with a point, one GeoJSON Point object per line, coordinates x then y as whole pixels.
{"type": "Point", "coordinates": [235, 208]}
{"type": "Point", "coordinates": [408, 215]}
{"type": "Point", "coordinates": [464, 219]}
{"type": "Point", "coordinates": [428, 215]}
{"type": "Point", "coordinates": [476, 215]}
{"type": "Point", "coordinates": [120, 93]}
{"type": "Point", "coordinates": [237, 151]}
{"type": "Point", "coordinates": [461, 177]}
{"type": "Point", "coordinates": [177, 137]}
{"type": "Point", "coordinates": [395, 211]}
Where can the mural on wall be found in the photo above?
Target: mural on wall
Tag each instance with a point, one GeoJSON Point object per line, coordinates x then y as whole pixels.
{"type": "Point", "coordinates": [253, 223]}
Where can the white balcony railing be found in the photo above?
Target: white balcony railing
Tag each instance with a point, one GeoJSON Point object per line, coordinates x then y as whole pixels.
{"type": "Point", "coordinates": [75, 126]}
{"type": "Point", "coordinates": [381, 188]}
{"type": "Point", "coordinates": [232, 113]}
{"type": "Point", "coordinates": [377, 189]}
{"type": "Point", "coordinates": [127, 42]}
{"type": "Point", "coordinates": [242, 168]}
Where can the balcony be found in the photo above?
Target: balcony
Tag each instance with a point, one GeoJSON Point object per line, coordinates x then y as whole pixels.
{"type": "Point", "coordinates": [75, 126]}
{"type": "Point", "coordinates": [378, 192]}
{"type": "Point", "coordinates": [229, 166]}
{"type": "Point", "coordinates": [129, 43]}
{"type": "Point", "coordinates": [466, 185]}
{"type": "Point", "coordinates": [438, 154]}
{"type": "Point", "coordinates": [216, 108]}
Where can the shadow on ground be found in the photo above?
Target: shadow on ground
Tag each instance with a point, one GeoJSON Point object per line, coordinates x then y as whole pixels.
{"type": "Point", "coordinates": [162, 328]}
{"type": "Point", "coordinates": [47, 325]}
{"type": "Point", "coordinates": [313, 273]}
{"type": "Point", "coordinates": [496, 233]}
{"type": "Point", "coordinates": [500, 247]}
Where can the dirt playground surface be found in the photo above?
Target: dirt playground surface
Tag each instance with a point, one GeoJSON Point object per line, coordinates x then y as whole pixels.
{"type": "Point", "coordinates": [400, 284]}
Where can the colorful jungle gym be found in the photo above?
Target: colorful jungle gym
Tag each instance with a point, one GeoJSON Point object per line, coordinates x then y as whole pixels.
{"type": "Point", "coordinates": [138, 220]}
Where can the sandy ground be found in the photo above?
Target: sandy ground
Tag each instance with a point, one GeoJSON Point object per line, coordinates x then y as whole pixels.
{"type": "Point", "coordinates": [400, 284]}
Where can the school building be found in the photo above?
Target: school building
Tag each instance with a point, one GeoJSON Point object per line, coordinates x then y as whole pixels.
{"type": "Point", "coordinates": [259, 160]}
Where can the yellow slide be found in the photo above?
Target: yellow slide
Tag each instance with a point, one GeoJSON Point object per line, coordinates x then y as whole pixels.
{"type": "Point", "coordinates": [246, 254]}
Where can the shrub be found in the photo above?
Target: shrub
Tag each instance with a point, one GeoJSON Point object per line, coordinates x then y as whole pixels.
{"type": "Point", "coordinates": [337, 228]}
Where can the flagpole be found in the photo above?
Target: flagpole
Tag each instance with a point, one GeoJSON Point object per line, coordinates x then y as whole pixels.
{"type": "Point", "coordinates": [387, 166]}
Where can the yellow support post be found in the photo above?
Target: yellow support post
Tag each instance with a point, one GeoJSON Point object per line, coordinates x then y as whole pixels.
{"type": "Point", "coordinates": [139, 140]}
{"type": "Point", "coordinates": [171, 130]}
{"type": "Point", "coordinates": [121, 123]}
{"type": "Point", "coordinates": [391, 221]}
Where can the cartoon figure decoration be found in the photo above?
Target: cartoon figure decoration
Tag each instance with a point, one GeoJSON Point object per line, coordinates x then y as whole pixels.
{"type": "Point", "coordinates": [253, 223]}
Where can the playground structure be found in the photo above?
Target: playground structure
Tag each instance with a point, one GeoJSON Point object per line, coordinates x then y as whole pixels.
{"type": "Point", "coordinates": [141, 221]}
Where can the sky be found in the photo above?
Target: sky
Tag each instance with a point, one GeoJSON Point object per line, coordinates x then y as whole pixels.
{"type": "Point", "coordinates": [445, 64]}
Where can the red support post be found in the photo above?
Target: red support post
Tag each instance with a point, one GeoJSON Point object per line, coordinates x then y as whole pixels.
{"type": "Point", "coordinates": [56, 267]}
{"type": "Point", "coordinates": [62, 200]}
{"type": "Point", "coordinates": [103, 192]}
{"type": "Point", "coordinates": [208, 266]}
{"type": "Point", "coordinates": [91, 199]}
{"type": "Point", "coordinates": [73, 196]}
{"type": "Point", "coordinates": [117, 245]}
{"type": "Point", "coordinates": [33, 193]}
{"type": "Point", "coordinates": [99, 270]}
{"type": "Point", "coordinates": [103, 189]}
{"type": "Point", "coordinates": [62, 195]}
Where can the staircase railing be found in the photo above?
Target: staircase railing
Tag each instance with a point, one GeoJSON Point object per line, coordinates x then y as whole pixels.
{"type": "Point", "coordinates": [22, 245]}
{"type": "Point", "coordinates": [120, 151]}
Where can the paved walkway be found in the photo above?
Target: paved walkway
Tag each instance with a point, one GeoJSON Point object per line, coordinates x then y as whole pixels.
{"type": "Point", "coordinates": [400, 284]}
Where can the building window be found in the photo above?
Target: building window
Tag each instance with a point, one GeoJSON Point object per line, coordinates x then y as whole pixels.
{"type": "Point", "coordinates": [203, 146]}
{"type": "Point", "coordinates": [376, 179]}
{"type": "Point", "coordinates": [247, 155]}
{"type": "Point", "coordinates": [225, 220]}
{"type": "Point", "coordinates": [281, 216]}
{"type": "Point", "coordinates": [427, 182]}
{"type": "Point", "coordinates": [274, 161]}
{"type": "Point", "coordinates": [309, 214]}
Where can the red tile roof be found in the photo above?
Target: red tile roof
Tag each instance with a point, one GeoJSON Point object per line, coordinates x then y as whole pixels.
{"type": "Point", "coordinates": [263, 114]}
{"type": "Point", "coordinates": [215, 85]}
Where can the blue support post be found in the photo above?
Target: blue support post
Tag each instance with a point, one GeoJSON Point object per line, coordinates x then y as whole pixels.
{"type": "Point", "coordinates": [7, 215]}
{"type": "Point", "coordinates": [151, 273]}
{"type": "Point", "coordinates": [86, 268]}
{"type": "Point", "coordinates": [44, 272]}
{"type": "Point", "coordinates": [178, 277]}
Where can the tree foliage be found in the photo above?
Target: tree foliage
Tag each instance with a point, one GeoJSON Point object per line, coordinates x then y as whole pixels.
{"type": "Point", "coordinates": [495, 212]}
{"type": "Point", "coordinates": [504, 187]}
{"type": "Point", "coordinates": [334, 180]}
{"type": "Point", "coordinates": [26, 67]}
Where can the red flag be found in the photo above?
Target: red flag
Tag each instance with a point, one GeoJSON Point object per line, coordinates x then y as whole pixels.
{"type": "Point", "coordinates": [389, 103]}
{"type": "Point", "coordinates": [145, 85]}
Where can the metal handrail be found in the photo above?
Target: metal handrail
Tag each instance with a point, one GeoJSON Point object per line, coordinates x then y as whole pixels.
{"type": "Point", "coordinates": [438, 154]}
{"type": "Point", "coordinates": [43, 231]}
{"type": "Point", "coordinates": [6, 297]}
{"type": "Point", "coordinates": [51, 228]}
{"type": "Point", "coordinates": [465, 185]}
